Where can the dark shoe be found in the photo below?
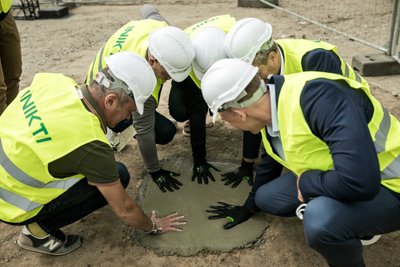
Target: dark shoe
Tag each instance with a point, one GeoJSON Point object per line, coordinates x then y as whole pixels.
{"type": "Point", "coordinates": [55, 243]}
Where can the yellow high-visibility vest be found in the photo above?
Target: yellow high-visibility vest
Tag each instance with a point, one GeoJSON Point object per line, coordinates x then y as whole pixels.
{"type": "Point", "coordinates": [5, 5]}
{"type": "Point", "coordinates": [223, 22]}
{"type": "Point", "coordinates": [304, 151]}
{"type": "Point", "coordinates": [133, 37]}
{"type": "Point", "coordinates": [295, 49]}
{"type": "Point", "coordinates": [45, 122]}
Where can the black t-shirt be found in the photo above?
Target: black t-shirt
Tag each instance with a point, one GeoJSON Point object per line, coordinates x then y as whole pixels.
{"type": "Point", "coordinates": [94, 160]}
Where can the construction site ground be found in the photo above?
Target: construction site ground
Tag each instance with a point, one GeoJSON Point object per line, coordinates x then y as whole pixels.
{"type": "Point", "coordinates": [68, 45]}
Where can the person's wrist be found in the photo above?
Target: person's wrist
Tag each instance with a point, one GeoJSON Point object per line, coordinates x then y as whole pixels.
{"type": "Point", "coordinates": [248, 212]}
{"type": "Point", "coordinates": [156, 173]}
{"type": "Point", "coordinates": [247, 165]}
{"type": "Point", "coordinates": [155, 229]}
{"type": "Point", "coordinates": [151, 228]}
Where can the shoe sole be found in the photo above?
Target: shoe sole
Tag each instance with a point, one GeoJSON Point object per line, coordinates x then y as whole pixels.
{"type": "Point", "coordinates": [367, 242]}
{"type": "Point", "coordinates": [208, 125]}
{"type": "Point", "coordinates": [75, 246]}
{"type": "Point", "coordinates": [186, 125]}
{"type": "Point", "coordinates": [185, 133]}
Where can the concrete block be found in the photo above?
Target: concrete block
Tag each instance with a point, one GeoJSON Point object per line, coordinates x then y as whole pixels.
{"type": "Point", "coordinates": [375, 65]}
{"type": "Point", "coordinates": [256, 3]}
{"type": "Point", "coordinates": [53, 12]}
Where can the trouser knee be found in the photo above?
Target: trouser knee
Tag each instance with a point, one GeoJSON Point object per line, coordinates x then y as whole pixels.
{"type": "Point", "coordinates": [165, 134]}
{"type": "Point", "coordinates": [318, 224]}
{"type": "Point", "coordinates": [272, 204]}
{"type": "Point", "coordinates": [166, 138]}
{"type": "Point", "coordinates": [262, 202]}
{"type": "Point", "coordinates": [178, 113]}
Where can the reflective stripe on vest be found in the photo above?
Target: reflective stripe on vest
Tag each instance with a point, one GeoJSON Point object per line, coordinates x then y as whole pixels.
{"type": "Point", "coordinates": [100, 66]}
{"type": "Point", "coordinates": [298, 140]}
{"type": "Point", "coordinates": [22, 177]}
{"type": "Point", "coordinates": [31, 137]}
{"type": "Point", "coordinates": [392, 170]}
{"type": "Point", "coordinates": [382, 133]}
{"type": "Point", "coordinates": [18, 201]}
{"type": "Point", "coordinates": [379, 144]}
{"type": "Point", "coordinates": [381, 136]}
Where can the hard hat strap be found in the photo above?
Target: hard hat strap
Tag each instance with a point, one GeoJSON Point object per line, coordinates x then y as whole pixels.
{"type": "Point", "coordinates": [102, 79]}
{"type": "Point", "coordinates": [240, 103]}
{"type": "Point", "coordinates": [267, 45]}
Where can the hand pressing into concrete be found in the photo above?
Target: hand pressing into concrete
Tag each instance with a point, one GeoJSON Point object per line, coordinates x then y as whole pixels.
{"type": "Point", "coordinates": [172, 222]}
{"type": "Point", "coordinates": [234, 214]}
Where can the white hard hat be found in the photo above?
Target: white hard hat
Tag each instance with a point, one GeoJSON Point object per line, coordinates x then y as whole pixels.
{"type": "Point", "coordinates": [225, 82]}
{"type": "Point", "coordinates": [208, 47]}
{"type": "Point", "coordinates": [132, 73]}
{"type": "Point", "coordinates": [173, 49]}
{"type": "Point", "coordinates": [246, 37]}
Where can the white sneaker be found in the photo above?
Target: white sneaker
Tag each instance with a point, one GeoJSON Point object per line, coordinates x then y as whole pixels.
{"type": "Point", "coordinates": [119, 141]}
{"type": "Point", "coordinates": [370, 240]}
{"type": "Point", "coordinates": [111, 137]}
{"type": "Point", "coordinates": [300, 210]}
{"type": "Point", "coordinates": [125, 137]}
{"type": "Point", "coordinates": [186, 128]}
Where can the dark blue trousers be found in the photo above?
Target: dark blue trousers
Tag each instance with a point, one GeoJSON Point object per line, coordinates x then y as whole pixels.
{"type": "Point", "coordinates": [331, 227]}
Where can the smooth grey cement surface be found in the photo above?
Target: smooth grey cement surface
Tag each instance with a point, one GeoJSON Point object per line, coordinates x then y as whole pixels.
{"type": "Point", "coordinates": [192, 200]}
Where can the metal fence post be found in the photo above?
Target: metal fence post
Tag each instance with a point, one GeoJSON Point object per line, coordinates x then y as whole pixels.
{"type": "Point", "coordinates": [392, 27]}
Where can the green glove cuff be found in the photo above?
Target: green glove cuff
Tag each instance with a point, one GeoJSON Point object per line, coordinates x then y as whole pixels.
{"type": "Point", "coordinates": [230, 219]}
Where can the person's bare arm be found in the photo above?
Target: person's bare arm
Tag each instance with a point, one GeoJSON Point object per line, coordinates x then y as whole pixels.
{"type": "Point", "coordinates": [131, 213]}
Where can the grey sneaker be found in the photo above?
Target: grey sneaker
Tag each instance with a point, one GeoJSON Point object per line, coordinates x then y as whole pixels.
{"type": "Point", "coordinates": [150, 12]}
{"type": "Point", "coordinates": [55, 243]}
{"type": "Point", "coordinates": [119, 141]}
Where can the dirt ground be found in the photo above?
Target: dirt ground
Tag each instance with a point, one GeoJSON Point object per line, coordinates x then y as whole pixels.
{"type": "Point", "coordinates": [68, 45]}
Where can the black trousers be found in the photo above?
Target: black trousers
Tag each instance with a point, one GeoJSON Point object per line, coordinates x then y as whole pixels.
{"type": "Point", "coordinates": [186, 103]}
{"type": "Point", "coordinates": [164, 129]}
{"type": "Point", "coordinates": [77, 202]}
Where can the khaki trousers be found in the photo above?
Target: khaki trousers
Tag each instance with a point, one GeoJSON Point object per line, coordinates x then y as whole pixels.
{"type": "Point", "coordinates": [10, 61]}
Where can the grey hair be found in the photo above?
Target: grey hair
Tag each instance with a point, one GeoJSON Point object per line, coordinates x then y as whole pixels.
{"type": "Point", "coordinates": [261, 57]}
{"type": "Point", "coordinates": [103, 91]}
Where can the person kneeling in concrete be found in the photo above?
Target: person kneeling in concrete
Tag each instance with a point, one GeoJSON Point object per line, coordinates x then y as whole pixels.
{"type": "Point", "coordinates": [338, 142]}
{"type": "Point", "coordinates": [54, 173]}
